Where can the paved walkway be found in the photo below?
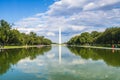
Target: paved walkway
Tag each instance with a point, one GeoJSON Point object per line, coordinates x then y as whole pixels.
{"type": "Point", "coordinates": [98, 47]}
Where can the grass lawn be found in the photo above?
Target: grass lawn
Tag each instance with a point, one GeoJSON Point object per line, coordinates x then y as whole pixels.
{"type": "Point", "coordinates": [12, 47]}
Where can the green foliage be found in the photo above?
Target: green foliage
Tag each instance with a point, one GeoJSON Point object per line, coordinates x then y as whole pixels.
{"type": "Point", "coordinates": [109, 36]}
{"type": "Point", "coordinates": [84, 38]}
{"type": "Point", "coordinates": [4, 31]}
{"type": "Point", "coordinates": [74, 40]}
{"type": "Point", "coordinates": [9, 36]}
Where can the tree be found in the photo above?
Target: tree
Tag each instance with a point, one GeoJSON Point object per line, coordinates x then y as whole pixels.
{"type": "Point", "coordinates": [86, 38]}
{"type": "Point", "coordinates": [74, 40]}
{"type": "Point", "coordinates": [14, 37]}
{"type": "Point", "coordinates": [95, 35]}
{"type": "Point", "coordinates": [108, 37]}
{"type": "Point", "coordinates": [9, 36]}
{"type": "Point", "coordinates": [4, 32]}
{"type": "Point", "coordinates": [32, 37]}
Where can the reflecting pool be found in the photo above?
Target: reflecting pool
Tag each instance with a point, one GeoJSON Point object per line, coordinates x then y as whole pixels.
{"type": "Point", "coordinates": [59, 63]}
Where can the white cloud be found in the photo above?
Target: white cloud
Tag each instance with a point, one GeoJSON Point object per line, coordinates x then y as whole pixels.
{"type": "Point", "coordinates": [66, 7]}
{"type": "Point", "coordinates": [89, 6]}
{"type": "Point", "coordinates": [73, 16]}
{"type": "Point", "coordinates": [78, 28]}
{"type": "Point", "coordinates": [50, 34]}
{"type": "Point", "coordinates": [31, 19]}
{"type": "Point", "coordinates": [98, 4]}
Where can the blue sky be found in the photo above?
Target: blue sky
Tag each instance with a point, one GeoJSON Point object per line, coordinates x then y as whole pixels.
{"type": "Point", "coordinates": [74, 16]}
{"type": "Point", "coordinates": [14, 10]}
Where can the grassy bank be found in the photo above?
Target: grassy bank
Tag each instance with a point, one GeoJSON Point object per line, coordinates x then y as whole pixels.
{"type": "Point", "coordinates": [28, 46]}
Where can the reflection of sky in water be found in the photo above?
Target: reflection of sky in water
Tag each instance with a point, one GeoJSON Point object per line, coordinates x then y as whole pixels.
{"type": "Point", "coordinates": [72, 67]}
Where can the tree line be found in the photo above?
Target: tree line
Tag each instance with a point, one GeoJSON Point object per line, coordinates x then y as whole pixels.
{"type": "Point", "coordinates": [9, 36]}
{"type": "Point", "coordinates": [109, 37]}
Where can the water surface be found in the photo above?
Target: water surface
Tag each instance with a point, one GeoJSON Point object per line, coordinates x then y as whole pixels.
{"type": "Point", "coordinates": [55, 63]}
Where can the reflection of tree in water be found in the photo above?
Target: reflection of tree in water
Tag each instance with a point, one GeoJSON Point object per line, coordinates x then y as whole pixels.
{"type": "Point", "coordinates": [12, 56]}
{"type": "Point", "coordinates": [110, 58]}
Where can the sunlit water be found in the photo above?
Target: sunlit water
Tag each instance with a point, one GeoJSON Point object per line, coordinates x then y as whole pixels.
{"type": "Point", "coordinates": [49, 63]}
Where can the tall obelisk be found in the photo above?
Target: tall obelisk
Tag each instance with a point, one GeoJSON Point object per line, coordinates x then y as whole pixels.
{"type": "Point", "coordinates": [60, 36]}
{"type": "Point", "coordinates": [60, 45]}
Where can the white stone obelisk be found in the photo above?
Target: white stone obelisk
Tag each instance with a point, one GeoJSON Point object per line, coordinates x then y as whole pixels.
{"type": "Point", "coordinates": [60, 36]}
{"type": "Point", "coordinates": [60, 45]}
